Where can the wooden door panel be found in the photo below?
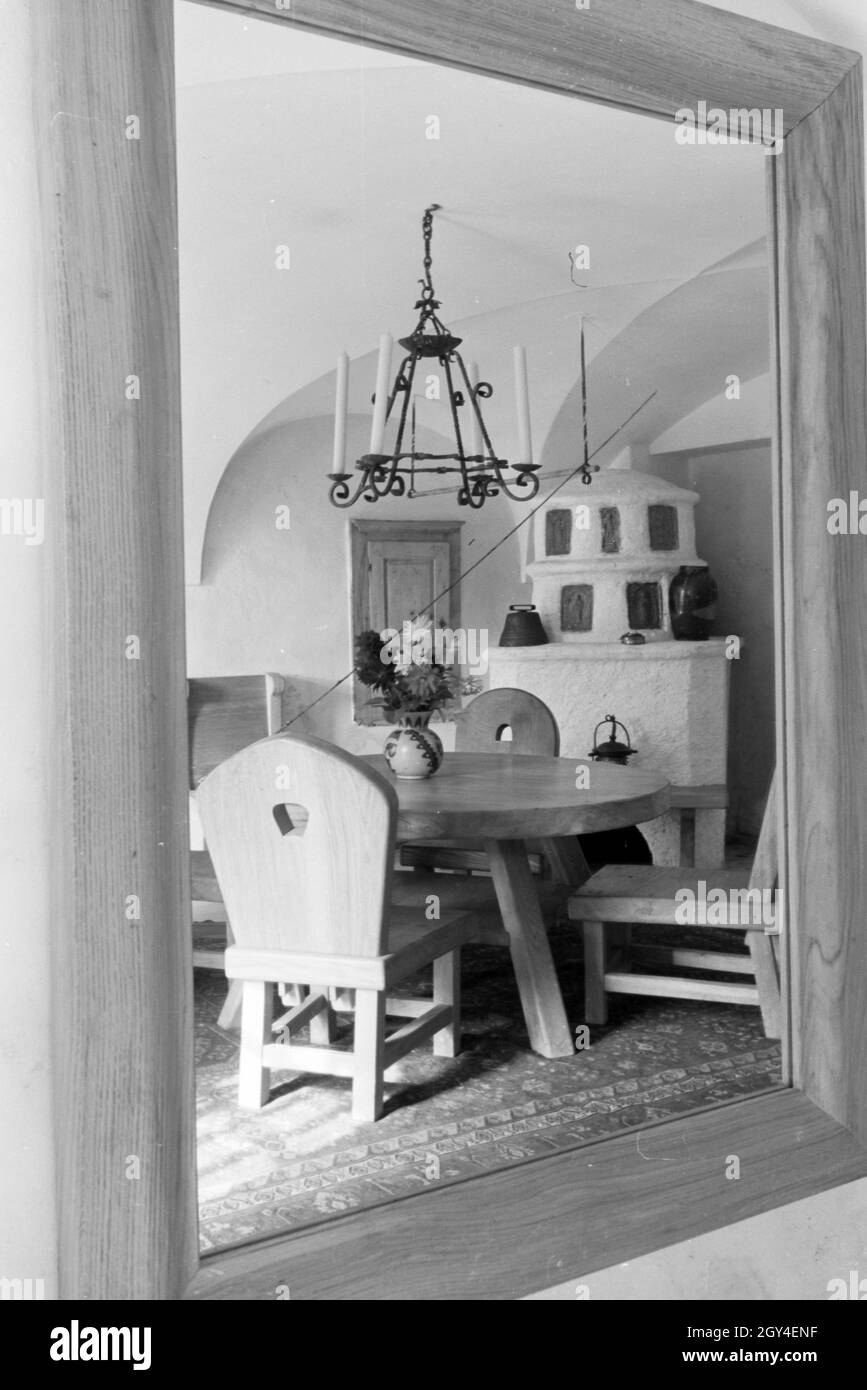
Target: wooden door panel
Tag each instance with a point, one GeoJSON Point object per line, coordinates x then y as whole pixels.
{"type": "Point", "coordinates": [405, 579]}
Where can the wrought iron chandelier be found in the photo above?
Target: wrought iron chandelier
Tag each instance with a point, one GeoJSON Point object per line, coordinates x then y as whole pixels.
{"type": "Point", "coordinates": [482, 474]}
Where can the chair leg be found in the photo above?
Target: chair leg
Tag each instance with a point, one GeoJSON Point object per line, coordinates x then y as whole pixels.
{"type": "Point", "coordinates": [369, 1047]}
{"type": "Point", "coordinates": [291, 994]}
{"type": "Point", "coordinates": [447, 990]}
{"type": "Point", "coordinates": [229, 1014]}
{"type": "Point", "coordinates": [766, 971]}
{"type": "Point", "coordinates": [254, 1080]}
{"type": "Point", "coordinates": [595, 998]}
{"type": "Point", "coordinates": [323, 1028]}
{"type": "Point", "coordinates": [687, 837]}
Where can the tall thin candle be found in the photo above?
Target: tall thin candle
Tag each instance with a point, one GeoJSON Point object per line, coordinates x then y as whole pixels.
{"type": "Point", "coordinates": [380, 405]}
{"type": "Point", "coordinates": [522, 402]}
{"type": "Point", "coordinates": [341, 401]}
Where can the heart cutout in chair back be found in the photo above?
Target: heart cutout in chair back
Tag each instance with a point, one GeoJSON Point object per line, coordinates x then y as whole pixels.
{"type": "Point", "coordinates": [291, 818]}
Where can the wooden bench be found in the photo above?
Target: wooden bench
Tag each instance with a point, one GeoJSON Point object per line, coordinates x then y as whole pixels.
{"type": "Point", "coordinates": [622, 895]}
{"type": "Point", "coordinates": [692, 802]}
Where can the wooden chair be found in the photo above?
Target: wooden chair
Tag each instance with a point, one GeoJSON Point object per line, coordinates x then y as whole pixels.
{"type": "Point", "coordinates": [302, 836]}
{"type": "Point", "coordinates": [620, 895]}
{"type": "Point", "coordinates": [481, 726]}
{"type": "Point", "coordinates": [480, 729]}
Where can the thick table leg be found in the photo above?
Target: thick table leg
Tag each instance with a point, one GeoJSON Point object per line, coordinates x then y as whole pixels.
{"type": "Point", "coordinates": [531, 955]}
{"type": "Point", "coordinates": [567, 861]}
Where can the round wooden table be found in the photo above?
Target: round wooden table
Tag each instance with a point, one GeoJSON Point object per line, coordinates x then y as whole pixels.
{"type": "Point", "coordinates": [505, 799]}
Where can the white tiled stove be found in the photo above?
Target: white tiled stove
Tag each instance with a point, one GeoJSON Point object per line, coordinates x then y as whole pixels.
{"type": "Point", "coordinates": [605, 557]}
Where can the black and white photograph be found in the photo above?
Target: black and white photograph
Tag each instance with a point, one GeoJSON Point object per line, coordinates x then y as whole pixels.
{"type": "Point", "coordinates": [434, 554]}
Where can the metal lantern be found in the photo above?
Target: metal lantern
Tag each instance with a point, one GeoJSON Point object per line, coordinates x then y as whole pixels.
{"type": "Point", "coordinates": [612, 750]}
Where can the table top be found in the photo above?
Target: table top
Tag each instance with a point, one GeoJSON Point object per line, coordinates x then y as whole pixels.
{"type": "Point", "coordinates": [497, 796]}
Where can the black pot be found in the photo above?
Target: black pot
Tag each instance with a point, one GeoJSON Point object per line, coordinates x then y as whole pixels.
{"type": "Point", "coordinates": [523, 627]}
{"type": "Point", "coordinates": [692, 603]}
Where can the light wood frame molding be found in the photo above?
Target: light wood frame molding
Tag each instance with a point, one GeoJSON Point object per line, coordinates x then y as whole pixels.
{"type": "Point", "coordinates": [109, 308]}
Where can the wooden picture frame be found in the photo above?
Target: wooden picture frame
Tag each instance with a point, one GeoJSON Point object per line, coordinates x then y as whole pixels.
{"type": "Point", "coordinates": [109, 310]}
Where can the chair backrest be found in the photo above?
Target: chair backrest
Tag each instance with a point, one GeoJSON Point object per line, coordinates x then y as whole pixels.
{"type": "Point", "coordinates": [225, 714]}
{"type": "Point", "coordinates": [302, 838]}
{"type": "Point", "coordinates": [481, 726]}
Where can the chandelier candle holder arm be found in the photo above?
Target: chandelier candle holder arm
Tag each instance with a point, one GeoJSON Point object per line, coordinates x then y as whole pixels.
{"type": "Point", "coordinates": [482, 473]}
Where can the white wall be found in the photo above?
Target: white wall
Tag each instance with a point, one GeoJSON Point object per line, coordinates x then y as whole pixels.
{"type": "Point", "coordinates": [27, 1214]}
{"type": "Point", "coordinates": [733, 526]}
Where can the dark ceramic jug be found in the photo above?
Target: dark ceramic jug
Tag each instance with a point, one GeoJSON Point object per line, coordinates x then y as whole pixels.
{"type": "Point", "coordinates": [692, 603]}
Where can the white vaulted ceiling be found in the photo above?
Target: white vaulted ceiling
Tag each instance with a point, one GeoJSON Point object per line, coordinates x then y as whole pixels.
{"type": "Point", "coordinates": [287, 139]}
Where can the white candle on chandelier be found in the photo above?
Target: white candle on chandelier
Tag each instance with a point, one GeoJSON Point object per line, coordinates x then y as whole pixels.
{"type": "Point", "coordinates": [522, 402]}
{"type": "Point", "coordinates": [341, 402]}
{"type": "Point", "coordinates": [380, 405]}
{"type": "Point", "coordinates": [475, 432]}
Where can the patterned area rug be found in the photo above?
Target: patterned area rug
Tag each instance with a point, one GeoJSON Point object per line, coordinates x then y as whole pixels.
{"type": "Point", "coordinates": [302, 1157]}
